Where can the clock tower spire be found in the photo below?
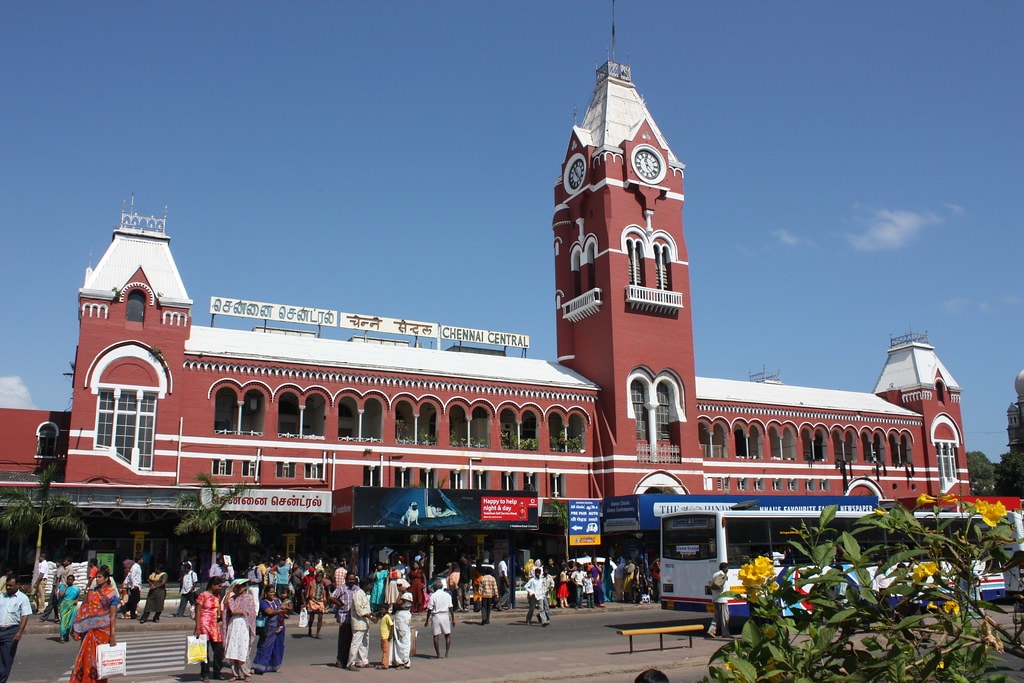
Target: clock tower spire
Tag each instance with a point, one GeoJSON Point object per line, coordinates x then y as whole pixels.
{"type": "Point", "coordinates": [622, 284]}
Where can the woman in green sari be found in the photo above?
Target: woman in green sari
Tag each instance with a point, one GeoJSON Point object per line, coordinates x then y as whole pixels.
{"type": "Point", "coordinates": [68, 606]}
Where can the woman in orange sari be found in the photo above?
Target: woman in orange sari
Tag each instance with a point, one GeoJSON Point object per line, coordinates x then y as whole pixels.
{"type": "Point", "coordinates": [95, 624]}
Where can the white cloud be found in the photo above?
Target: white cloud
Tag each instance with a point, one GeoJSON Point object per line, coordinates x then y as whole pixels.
{"type": "Point", "coordinates": [787, 238]}
{"type": "Point", "coordinates": [886, 230]}
{"type": "Point", "coordinates": [14, 393]}
{"type": "Point", "coordinates": [962, 304]}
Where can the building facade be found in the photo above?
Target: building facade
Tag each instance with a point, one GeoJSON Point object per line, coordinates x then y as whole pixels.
{"type": "Point", "coordinates": [287, 409]}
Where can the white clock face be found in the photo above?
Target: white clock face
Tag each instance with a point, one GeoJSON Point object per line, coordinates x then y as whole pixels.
{"type": "Point", "coordinates": [574, 174]}
{"type": "Point", "coordinates": [647, 164]}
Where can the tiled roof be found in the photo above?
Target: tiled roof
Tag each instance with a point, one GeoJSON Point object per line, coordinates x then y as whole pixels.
{"type": "Point", "coordinates": [767, 393]}
{"type": "Point", "coordinates": [131, 250]}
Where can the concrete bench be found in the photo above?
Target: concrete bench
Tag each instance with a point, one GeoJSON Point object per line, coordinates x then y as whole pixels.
{"type": "Point", "coordinates": [660, 631]}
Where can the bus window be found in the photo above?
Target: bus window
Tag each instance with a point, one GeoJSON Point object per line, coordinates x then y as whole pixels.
{"type": "Point", "coordinates": [690, 538]}
{"type": "Point", "coordinates": [746, 538]}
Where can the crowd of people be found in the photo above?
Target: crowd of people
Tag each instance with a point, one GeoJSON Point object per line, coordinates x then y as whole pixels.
{"type": "Point", "coordinates": [243, 615]}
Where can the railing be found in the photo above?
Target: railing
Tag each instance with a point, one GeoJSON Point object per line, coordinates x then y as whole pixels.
{"type": "Point", "coordinates": [653, 300]}
{"type": "Point", "coordinates": [584, 305]}
{"type": "Point", "coordinates": [658, 453]}
{"type": "Point", "coordinates": [712, 450]}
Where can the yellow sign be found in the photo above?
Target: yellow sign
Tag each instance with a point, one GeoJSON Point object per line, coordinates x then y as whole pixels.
{"type": "Point", "coordinates": [585, 539]}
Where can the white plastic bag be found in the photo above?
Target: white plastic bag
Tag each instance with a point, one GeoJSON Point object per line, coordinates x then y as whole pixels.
{"type": "Point", "coordinates": [303, 618]}
{"type": "Point", "coordinates": [111, 660]}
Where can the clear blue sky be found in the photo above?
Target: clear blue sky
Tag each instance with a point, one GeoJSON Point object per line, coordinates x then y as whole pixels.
{"type": "Point", "coordinates": [854, 169]}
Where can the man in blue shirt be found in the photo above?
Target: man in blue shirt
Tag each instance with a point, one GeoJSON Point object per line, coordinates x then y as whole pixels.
{"type": "Point", "coordinates": [14, 611]}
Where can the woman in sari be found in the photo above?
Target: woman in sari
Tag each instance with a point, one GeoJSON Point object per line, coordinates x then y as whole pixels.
{"type": "Point", "coordinates": [380, 580]}
{"type": "Point", "coordinates": [416, 579]}
{"type": "Point", "coordinates": [208, 618]}
{"type": "Point", "coordinates": [239, 629]}
{"type": "Point", "coordinates": [270, 647]}
{"type": "Point", "coordinates": [68, 606]}
{"type": "Point", "coordinates": [95, 624]}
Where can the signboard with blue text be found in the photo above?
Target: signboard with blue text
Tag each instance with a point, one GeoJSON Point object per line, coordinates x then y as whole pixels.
{"type": "Point", "coordinates": [644, 512]}
{"type": "Point", "coordinates": [585, 521]}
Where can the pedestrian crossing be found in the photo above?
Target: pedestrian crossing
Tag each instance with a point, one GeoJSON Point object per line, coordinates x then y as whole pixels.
{"type": "Point", "coordinates": [151, 654]}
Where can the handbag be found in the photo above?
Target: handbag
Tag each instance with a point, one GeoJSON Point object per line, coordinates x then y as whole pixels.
{"type": "Point", "coordinates": [111, 660]}
{"type": "Point", "coordinates": [261, 625]}
{"type": "Point", "coordinates": [195, 650]}
{"type": "Point", "coordinates": [303, 618]}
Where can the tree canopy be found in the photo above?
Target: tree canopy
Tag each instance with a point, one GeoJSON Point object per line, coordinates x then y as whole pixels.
{"type": "Point", "coordinates": [27, 510]}
{"type": "Point", "coordinates": [1009, 475]}
{"type": "Point", "coordinates": [204, 511]}
{"type": "Point", "coordinates": [982, 473]}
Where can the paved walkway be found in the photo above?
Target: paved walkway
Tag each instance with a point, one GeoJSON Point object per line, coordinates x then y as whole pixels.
{"type": "Point", "coordinates": [606, 654]}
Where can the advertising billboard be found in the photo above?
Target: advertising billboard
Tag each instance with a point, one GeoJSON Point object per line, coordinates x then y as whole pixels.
{"type": "Point", "coordinates": [420, 509]}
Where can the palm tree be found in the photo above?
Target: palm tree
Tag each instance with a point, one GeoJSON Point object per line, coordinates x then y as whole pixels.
{"type": "Point", "coordinates": [204, 511]}
{"type": "Point", "coordinates": [33, 509]}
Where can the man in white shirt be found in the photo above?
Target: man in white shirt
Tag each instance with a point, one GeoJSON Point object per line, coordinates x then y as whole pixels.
{"type": "Point", "coordinates": [358, 651]}
{"type": "Point", "coordinates": [133, 585]}
{"type": "Point", "coordinates": [504, 595]}
{"type": "Point", "coordinates": [59, 576]}
{"type": "Point", "coordinates": [188, 588]}
{"type": "Point", "coordinates": [39, 583]}
{"type": "Point", "coordinates": [441, 616]}
{"type": "Point", "coordinates": [537, 594]}
{"type": "Point", "coordinates": [718, 584]}
{"type": "Point", "coordinates": [14, 611]}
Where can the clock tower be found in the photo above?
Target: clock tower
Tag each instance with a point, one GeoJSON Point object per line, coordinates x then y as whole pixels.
{"type": "Point", "coordinates": [622, 288]}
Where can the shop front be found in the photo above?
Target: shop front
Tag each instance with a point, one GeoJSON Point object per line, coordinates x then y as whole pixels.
{"type": "Point", "coordinates": [435, 525]}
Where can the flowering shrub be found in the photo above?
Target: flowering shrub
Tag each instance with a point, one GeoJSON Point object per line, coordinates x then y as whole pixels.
{"type": "Point", "coordinates": [847, 614]}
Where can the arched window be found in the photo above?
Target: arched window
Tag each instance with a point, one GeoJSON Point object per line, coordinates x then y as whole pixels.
{"type": "Point", "coordinates": [135, 312]}
{"type": "Point", "coordinates": [46, 440]}
{"type": "Point", "coordinates": [940, 392]}
{"type": "Point", "coordinates": [225, 411]}
{"type": "Point", "coordinates": [528, 431]}
{"type": "Point", "coordinates": [371, 421]}
{"type": "Point", "coordinates": [314, 414]}
{"type": "Point", "coordinates": [577, 282]}
{"type": "Point", "coordinates": [480, 429]}
{"type": "Point", "coordinates": [288, 415]}
{"type": "Point", "coordinates": [405, 423]}
{"type": "Point", "coordinates": [253, 413]}
{"type": "Point", "coordinates": [126, 422]}
{"type": "Point", "coordinates": [664, 411]}
{"type": "Point", "coordinates": [638, 396]}
{"type": "Point", "coordinates": [591, 266]}
{"type": "Point", "coordinates": [458, 427]}
{"type": "Point", "coordinates": [510, 434]}
{"type": "Point", "coordinates": [556, 432]}
{"type": "Point", "coordinates": [348, 424]}
{"type": "Point", "coordinates": [662, 260]}
{"type": "Point", "coordinates": [635, 251]}
{"type": "Point", "coordinates": [426, 425]}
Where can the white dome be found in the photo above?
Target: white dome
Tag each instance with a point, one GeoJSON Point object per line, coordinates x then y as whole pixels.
{"type": "Point", "coordinates": [1018, 384]}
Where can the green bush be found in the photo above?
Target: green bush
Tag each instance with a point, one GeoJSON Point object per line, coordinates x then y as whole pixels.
{"type": "Point", "coordinates": [830, 619]}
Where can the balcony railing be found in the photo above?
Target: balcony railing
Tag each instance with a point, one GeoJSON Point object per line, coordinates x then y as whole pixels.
{"type": "Point", "coordinates": [584, 305]}
{"type": "Point", "coordinates": [653, 300]}
{"type": "Point", "coordinates": [658, 453]}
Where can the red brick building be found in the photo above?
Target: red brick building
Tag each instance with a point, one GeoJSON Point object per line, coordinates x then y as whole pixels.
{"type": "Point", "coordinates": [398, 403]}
